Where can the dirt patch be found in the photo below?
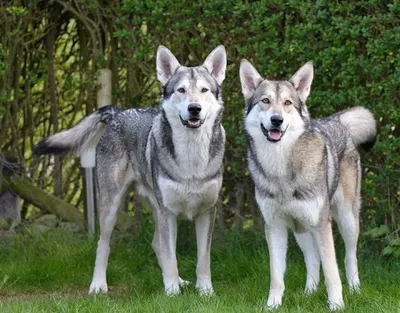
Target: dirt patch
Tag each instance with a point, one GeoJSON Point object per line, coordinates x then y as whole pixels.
{"type": "Point", "coordinates": [5, 295]}
{"type": "Point", "coordinates": [65, 294]}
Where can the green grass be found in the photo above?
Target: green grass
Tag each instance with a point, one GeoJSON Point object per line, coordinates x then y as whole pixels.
{"type": "Point", "coordinates": [52, 272]}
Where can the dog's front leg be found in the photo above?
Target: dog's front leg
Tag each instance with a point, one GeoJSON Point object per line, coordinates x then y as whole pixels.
{"type": "Point", "coordinates": [204, 228]}
{"type": "Point", "coordinates": [167, 232]}
{"type": "Point", "coordinates": [277, 237]}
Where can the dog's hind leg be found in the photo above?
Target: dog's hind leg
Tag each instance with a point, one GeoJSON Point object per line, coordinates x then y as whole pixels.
{"type": "Point", "coordinates": [349, 229]}
{"type": "Point", "coordinates": [111, 191]}
{"type": "Point", "coordinates": [323, 239]}
{"type": "Point", "coordinates": [311, 258]}
{"type": "Point", "coordinates": [346, 213]}
{"type": "Point", "coordinates": [204, 229]}
{"type": "Point", "coordinates": [277, 238]}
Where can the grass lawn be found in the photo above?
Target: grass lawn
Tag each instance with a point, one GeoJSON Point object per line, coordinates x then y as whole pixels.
{"type": "Point", "coordinates": [52, 272]}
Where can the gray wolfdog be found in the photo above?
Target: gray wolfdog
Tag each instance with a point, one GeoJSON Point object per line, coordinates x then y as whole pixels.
{"type": "Point", "coordinates": [174, 154]}
{"type": "Point", "coordinates": [305, 171]}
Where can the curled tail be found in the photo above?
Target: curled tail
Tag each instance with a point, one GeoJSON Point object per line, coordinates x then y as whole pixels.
{"type": "Point", "coordinates": [361, 125]}
{"type": "Point", "coordinates": [80, 138]}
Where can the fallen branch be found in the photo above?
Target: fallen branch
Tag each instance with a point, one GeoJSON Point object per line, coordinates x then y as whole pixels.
{"type": "Point", "coordinates": [23, 187]}
{"type": "Point", "coordinates": [14, 179]}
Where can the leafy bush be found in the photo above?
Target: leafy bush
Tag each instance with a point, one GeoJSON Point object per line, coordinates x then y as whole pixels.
{"type": "Point", "coordinates": [354, 47]}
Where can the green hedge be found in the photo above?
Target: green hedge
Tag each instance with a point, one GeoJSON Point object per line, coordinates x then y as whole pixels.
{"type": "Point", "coordinates": [355, 49]}
{"type": "Point", "coordinates": [354, 46]}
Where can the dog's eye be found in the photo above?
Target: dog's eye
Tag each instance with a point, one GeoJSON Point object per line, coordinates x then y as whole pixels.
{"type": "Point", "coordinates": [288, 102]}
{"type": "Point", "coordinates": [181, 90]}
{"type": "Point", "coordinates": [203, 90]}
{"type": "Point", "coordinates": [265, 100]}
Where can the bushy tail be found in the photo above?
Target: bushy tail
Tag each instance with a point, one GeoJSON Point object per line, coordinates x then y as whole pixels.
{"type": "Point", "coordinates": [361, 125]}
{"type": "Point", "coordinates": [79, 138]}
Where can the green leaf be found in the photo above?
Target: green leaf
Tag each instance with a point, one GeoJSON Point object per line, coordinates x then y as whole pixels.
{"type": "Point", "coordinates": [388, 250]}
{"type": "Point", "coordinates": [377, 231]}
{"type": "Point", "coordinates": [395, 242]}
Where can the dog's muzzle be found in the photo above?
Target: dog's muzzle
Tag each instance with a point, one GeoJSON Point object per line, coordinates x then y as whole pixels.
{"type": "Point", "coordinates": [192, 122]}
{"type": "Point", "coordinates": [273, 134]}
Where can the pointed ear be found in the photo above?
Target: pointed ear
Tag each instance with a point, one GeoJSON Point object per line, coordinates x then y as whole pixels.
{"type": "Point", "coordinates": [167, 65]}
{"type": "Point", "coordinates": [216, 64]}
{"type": "Point", "coordinates": [249, 78]}
{"type": "Point", "coordinates": [302, 80]}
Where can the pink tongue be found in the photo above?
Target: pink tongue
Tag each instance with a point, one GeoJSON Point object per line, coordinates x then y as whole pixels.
{"type": "Point", "coordinates": [274, 134]}
{"type": "Point", "coordinates": [194, 122]}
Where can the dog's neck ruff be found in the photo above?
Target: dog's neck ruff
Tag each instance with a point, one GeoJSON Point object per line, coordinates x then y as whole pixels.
{"type": "Point", "coordinates": [194, 147]}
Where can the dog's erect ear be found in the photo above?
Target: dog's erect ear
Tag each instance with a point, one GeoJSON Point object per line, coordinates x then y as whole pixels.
{"type": "Point", "coordinates": [167, 65]}
{"type": "Point", "coordinates": [216, 64]}
{"type": "Point", "coordinates": [302, 80]}
{"type": "Point", "coordinates": [249, 78]}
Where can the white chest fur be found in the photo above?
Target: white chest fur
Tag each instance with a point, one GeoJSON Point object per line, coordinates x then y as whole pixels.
{"type": "Point", "coordinates": [292, 211]}
{"type": "Point", "coordinates": [192, 152]}
{"type": "Point", "coordinates": [190, 198]}
{"type": "Point", "coordinates": [195, 182]}
{"type": "Point", "coordinates": [279, 202]}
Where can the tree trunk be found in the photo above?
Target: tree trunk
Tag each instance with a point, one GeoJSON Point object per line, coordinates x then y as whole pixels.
{"type": "Point", "coordinates": [50, 43]}
{"type": "Point", "coordinates": [86, 69]}
{"type": "Point", "coordinates": [221, 215]}
{"type": "Point", "coordinates": [251, 202]}
{"type": "Point", "coordinates": [113, 62]}
{"type": "Point", "coordinates": [238, 219]}
{"type": "Point", "coordinates": [139, 203]}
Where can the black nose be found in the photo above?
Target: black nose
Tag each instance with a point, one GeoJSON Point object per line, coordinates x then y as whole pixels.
{"type": "Point", "coordinates": [276, 120]}
{"type": "Point", "coordinates": [194, 108]}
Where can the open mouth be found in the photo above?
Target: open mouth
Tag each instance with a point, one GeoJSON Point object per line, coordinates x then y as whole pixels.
{"type": "Point", "coordinates": [273, 134]}
{"type": "Point", "coordinates": [193, 122]}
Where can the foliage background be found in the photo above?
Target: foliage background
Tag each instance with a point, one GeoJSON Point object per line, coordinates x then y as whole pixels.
{"type": "Point", "coordinates": [51, 51]}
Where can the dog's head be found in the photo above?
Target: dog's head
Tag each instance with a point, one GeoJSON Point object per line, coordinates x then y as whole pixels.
{"type": "Point", "coordinates": [191, 95]}
{"type": "Point", "coordinates": [274, 108]}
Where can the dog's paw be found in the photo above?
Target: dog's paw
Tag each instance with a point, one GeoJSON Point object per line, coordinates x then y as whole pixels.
{"type": "Point", "coordinates": [355, 287]}
{"type": "Point", "coordinates": [272, 305]}
{"type": "Point", "coordinates": [310, 289]}
{"type": "Point", "coordinates": [206, 292]}
{"type": "Point", "coordinates": [184, 283]}
{"type": "Point", "coordinates": [204, 286]}
{"type": "Point", "coordinates": [275, 298]}
{"type": "Point", "coordinates": [96, 288]}
{"type": "Point", "coordinates": [336, 305]}
{"type": "Point", "coordinates": [172, 290]}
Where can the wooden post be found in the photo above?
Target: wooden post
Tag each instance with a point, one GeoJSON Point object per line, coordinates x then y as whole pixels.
{"type": "Point", "coordinates": [88, 163]}
{"type": "Point", "coordinates": [104, 95]}
{"type": "Point", "coordinates": [88, 158]}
